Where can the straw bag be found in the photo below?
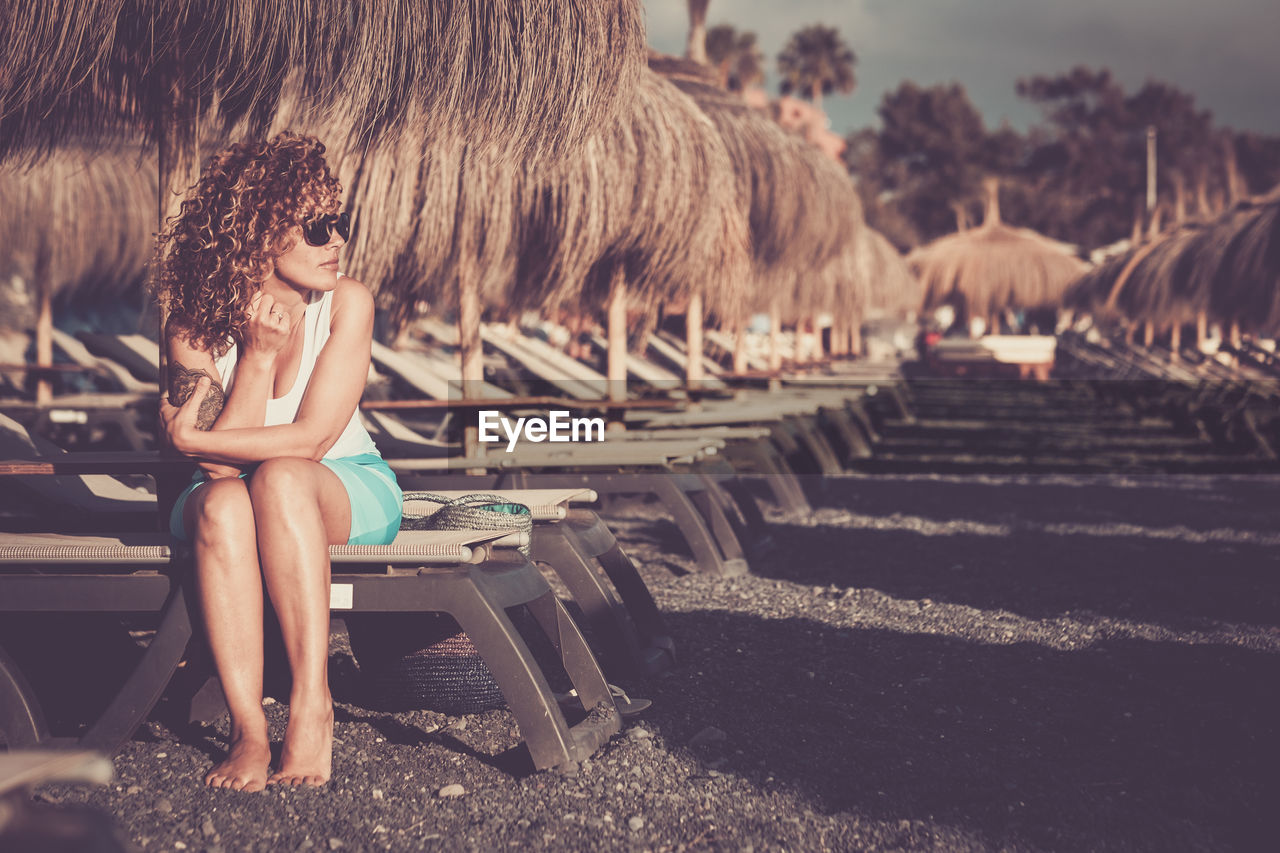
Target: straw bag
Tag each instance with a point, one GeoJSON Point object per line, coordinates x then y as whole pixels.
{"type": "Point", "coordinates": [422, 660]}
{"type": "Point", "coordinates": [470, 512]}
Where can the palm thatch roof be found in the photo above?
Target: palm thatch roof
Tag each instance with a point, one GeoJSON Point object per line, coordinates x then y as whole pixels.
{"type": "Point", "coordinates": [79, 222]}
{"type": "Point", "coordinates": [995, 266]}
{"type": "Point", "coordinates": [889, 284]}
{"type": "Point", "coordinates": [1227, 269]}
{"type": "Point", "coordinates": [652, 198]}
{"type": "Point", "coordinates": [802, 208]}
{"type": "Point", "coordinates": [521, 77]}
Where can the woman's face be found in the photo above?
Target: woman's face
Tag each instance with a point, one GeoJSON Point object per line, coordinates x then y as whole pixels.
{"type": "Point", "coordinates": [306, 267]}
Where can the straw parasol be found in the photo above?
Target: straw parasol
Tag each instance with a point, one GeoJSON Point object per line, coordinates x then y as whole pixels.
{"type": "Point", "coordinates": [649, 212]}
{"type": "Point", "coordinates": [527, 78]}
{"type": "Point", "coordinates": [520, 79]}
{"type": "Point", "coordinates": [1226, 270]}
{"type": "Point", "coordinates": [801, 206]}
{"type": "Point", "coordinates": [76, 223]}
{"type": "Point", "coordinates": [995, 266]}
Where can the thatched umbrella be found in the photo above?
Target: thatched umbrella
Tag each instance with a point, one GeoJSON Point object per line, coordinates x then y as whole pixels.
{"type": "Point", "coordinates": [520, 78]}
{"type": "Point", "coordinates": [77, 222]}
{"type": "Point", "coordinates": [648, 212]}
{"type": "Point", "coordinates": [995, 266]}
{"type": "Point", "coordinates": [1227, 270]}
{"type": "Point", "coordinates": [797, 223]}
{"type": "Point", "coordinates": [527, 78]}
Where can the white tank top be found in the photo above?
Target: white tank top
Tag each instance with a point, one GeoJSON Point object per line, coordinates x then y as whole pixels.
{"type": "Point", "coordinates": [284, 410]}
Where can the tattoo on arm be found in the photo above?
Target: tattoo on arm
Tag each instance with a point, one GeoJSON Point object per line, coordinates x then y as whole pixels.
{"type": "Point", "coordinates": [182, 382]}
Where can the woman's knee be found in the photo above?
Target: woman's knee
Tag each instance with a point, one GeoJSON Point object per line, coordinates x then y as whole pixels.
{"type": "Point", "coordinates": [285, 481]}
{"type": "Point", "coordinates": [219, 508]}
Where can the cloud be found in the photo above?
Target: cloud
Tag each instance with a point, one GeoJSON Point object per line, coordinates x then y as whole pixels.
{"type": "Point", "coordinates": [1222, 51]}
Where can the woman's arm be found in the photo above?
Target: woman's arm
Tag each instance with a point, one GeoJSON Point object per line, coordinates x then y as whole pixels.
{"type": "Point", "coordinates": [332, 395]}
{"type": "Point", "coordinates": [246, 406]}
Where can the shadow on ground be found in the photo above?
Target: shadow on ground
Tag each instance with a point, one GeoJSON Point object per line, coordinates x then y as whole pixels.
{"type": "Point", "coordinates": [1127, 744]}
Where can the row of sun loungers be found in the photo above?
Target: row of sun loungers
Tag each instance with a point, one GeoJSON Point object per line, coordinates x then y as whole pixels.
{"type": "Point", "coordinates": [698, 462]}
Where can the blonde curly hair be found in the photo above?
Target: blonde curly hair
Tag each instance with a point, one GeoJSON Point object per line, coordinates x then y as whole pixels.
{"type": "Point", "coordinates": [216, 253]}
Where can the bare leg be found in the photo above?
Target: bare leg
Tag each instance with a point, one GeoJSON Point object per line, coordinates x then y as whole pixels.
{"type": "Point", "coordinates": [301, 508]}
{"type": "Point", "coordinates": [230, 583]}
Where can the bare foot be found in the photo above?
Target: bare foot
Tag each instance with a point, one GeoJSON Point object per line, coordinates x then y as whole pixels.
{"type": "Point", "coordinates": [307, 757]}
{"type": "Point", "coordinates": [247, 761]}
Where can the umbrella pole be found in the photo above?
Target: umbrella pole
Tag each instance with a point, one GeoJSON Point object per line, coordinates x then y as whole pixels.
{"type": "Point", "coordinates": [617, 355]}
{"type": "Point", "coordinates": [1175, 341]}
{"type": "Point", "coordinates": [1202, 329]}
{"type": "Point", "coordinates": [44, 328]}
{"type": "Point", "coordinates": [693, 340]}
{"type": "Point", "coordinates": [775, 339]}
{"type": "Point", "coordinates": [740, 362]}
{"type": "Point", "coordinates": [1148, 334]}
{"type": "Point", "coordinates": [855, 338]}
{"type": "Point", "coordinates": [470, 348]}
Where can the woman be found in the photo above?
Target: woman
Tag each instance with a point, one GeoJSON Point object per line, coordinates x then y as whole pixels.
{"type": "Point", "coordinates": [268, 351]}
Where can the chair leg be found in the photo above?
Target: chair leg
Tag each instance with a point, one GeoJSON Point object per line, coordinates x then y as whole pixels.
{"type": "Point", "coordinates": [608, 619]}
{"type": "Point", "coordinates": [147, 681]}
{"type": "Point", "coordinates": [711, 503]}
{"type": "Point", "coordinates": [21, 720]}
{"type": "Point", "coordinates": [592, 538]}
{"type": "Point", "coordinates": [547, 735]}
{"type": "Point", "coordinates": [706, 551]}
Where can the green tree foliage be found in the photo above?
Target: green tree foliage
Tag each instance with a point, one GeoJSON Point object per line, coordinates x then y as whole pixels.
{"type": "Point", "coordinates": [1080, 176]}
{"type": "Point", "coordinates": [737, 56]}
{"type": "Point", "coordinates": [920, 175]}
{"type": "Point", "coordinates": [816, 61]}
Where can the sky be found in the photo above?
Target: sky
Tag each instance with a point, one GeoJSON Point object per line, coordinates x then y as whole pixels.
{"type": "Point", "coordinates": [1221, 51]}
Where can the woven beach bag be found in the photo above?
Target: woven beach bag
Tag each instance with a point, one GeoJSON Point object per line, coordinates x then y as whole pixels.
{"type": "Point", "coordinates": [423, 660]}
{"type": "Point", "coordinates": [469, 512]}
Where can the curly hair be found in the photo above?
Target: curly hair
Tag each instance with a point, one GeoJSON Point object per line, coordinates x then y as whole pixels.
{"type": "Point", "coordinates": [215, 254]}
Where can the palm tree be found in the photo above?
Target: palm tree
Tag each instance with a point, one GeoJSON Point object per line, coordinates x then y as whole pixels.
{"type": "Point", "coordinates": [696, 48]}
{"type": "Point", "coordinates": [737, 56]}
{"type": "Point", "coordinates": [816, 61]}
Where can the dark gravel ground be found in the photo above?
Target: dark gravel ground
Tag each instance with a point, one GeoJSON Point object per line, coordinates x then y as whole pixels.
{"type": "Point", "coordinates": [954, 663]}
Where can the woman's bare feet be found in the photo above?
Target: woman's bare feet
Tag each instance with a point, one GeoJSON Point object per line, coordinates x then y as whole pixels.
{"type": "Point", "coordinates": [247, 761]}
{"type": "Point", "coordinates": [307, 757]}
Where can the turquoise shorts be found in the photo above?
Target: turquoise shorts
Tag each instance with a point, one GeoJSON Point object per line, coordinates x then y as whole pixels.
{"type": "Point", "coordinates": [376, 499]}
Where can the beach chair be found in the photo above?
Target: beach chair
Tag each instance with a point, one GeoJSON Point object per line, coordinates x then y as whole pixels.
{"type": "Point", "coordinates": [694, 500]}
{"type": "Point", "coordinates": [573, 541]}
{"type": "Point", "coordinates": [475, 576]}
{"type": "Point", "coordinates": [26, 827]}
{"type": "Point", "coordinates": [653, 465]}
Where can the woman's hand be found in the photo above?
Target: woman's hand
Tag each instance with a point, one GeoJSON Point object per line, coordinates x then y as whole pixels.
{"type": "Point", "coordinates": [180, 421]}
{"type": "Point", "coordinates": [270, 326]}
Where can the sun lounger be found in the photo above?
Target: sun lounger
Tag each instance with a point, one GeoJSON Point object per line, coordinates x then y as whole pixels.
{"type": "Point", "coordinates": [462, 573]}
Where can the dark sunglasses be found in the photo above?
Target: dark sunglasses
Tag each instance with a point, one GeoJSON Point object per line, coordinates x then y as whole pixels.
{"type": "Point", "coordinates": [318, 230]}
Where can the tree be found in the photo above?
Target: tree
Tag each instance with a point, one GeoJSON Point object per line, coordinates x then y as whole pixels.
{"type": "Point", "coordinates": [816, 62]}
{"type": "Point", "coordinates": [927, 162]}
{"type": "Point", "coordinates": [737, 56]}
{"type": "Point", "coordinates": [696, 47]}
{"type": "Point", "coordinates": [1089, 163]}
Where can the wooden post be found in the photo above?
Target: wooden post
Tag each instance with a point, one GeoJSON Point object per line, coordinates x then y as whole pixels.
{"type": "Point", "coordinates": [1148, 334]}
{"type": "Point", "coordinates": [1175, 341]}
{"type": "Point", "coordinates": [617, 354]}
{"type": "Point", "coordinates": [1202, 330]}
{"type": "Point", "coordinates": [1235, 334]}
{"type": "Point", "coordinates": [819, 351]}
{"type": "Point", "coordinates": [470, 344]}
{"type": "Point", "coordinates": [693, 340]}
{"type": "Point", "coordinates": [740, 362]}
{"type": "Point", "coordinates": [44, 331]}
{"type": "Point", "coordinates": [775, 338]}
{"type": "Point", "coordinates": [855, 338]}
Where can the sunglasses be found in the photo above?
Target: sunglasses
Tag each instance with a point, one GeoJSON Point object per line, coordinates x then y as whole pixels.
{"type": "Point", "coordinates": [318, 230]}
